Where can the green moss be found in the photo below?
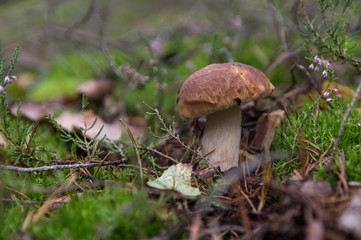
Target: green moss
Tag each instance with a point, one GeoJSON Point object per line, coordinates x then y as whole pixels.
{"type": "Point", "coordinates": [11, 219]}
{"type": "Point", "coordinates": [320, 129]}
{"type": "Point", "coordinates": [110, 214]}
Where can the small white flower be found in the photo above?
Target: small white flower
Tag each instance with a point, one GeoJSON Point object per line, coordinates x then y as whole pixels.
{"type": "Point", "coordinates": [328, 99]}
{"type": "Point", "coordinates": [359, 124]}
{"type": "Point", "coordinates": [317, 69]}
{"type": "Point", "coordinates": [326, 94]}
{"type": "Point", "coordinates": [339, 95]}
{"type": "Point", "coordinates": [311, 66]}
{"type": "Point", "coordinates": [1, 89]}
{"type": "Point", "coordinates": [7, 80]}
{"type": "Point", "coordinates": [10, 80]}
{"type": "Point", "coordinates": [152, 62]}
{"type": "Point", "coordinates": [327, 64]}
{"type": "Point", "coordinates": [324, 73]}
{"type": "Point", "coordinates": [335, 90]}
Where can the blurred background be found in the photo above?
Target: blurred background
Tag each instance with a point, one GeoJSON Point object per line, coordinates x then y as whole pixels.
{"type": "Point", "coordinates": [146, 49]}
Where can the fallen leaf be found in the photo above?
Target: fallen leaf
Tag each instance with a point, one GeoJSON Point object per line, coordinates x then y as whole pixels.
{"type": "Point", "coordinates": [96, 89]}
{"type": "Point", "coordinates": [69, 120]}
{"type": "Point", "coordinates": [33, 111]}
{"type": "Point", "coordinates": [266, 127]}
{"type": "Point", "coordinates": [177, 178]}
{"type": "Point", "coordinates": [265, 131]}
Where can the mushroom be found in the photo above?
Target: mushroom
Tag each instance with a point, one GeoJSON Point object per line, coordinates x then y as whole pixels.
{"type": "Point", "coordinates": [217, 91]}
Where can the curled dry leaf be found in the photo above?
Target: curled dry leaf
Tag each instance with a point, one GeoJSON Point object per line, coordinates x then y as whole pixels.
{"type": "Point", "coordinates": [266, 127]}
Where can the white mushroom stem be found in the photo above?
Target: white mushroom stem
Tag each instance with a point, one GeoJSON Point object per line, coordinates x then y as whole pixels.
{"type": "Point", "coordinates": [221, 138]}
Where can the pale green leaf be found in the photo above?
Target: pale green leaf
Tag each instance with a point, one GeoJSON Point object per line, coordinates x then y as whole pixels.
{"type": "Point", "coordinates": [177, 178]}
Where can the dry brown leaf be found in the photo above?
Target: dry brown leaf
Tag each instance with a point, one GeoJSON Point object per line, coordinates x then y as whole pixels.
{"type": "Point", "coordinates": [33, 111]}
{"type": "Point", "coordinates": [265, 132]}
{"type": "Point", "coordinates": [69, 120]}
{"type": "Point", "coordinates": [266, 127]}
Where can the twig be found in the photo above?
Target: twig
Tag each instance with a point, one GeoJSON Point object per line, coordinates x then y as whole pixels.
{"type": "Point", "coordinates": [51, 200]}
{"type": "Point", "coordinates": [163, 155]}
{"type": "Point", "coordinates": [284, 96]}
{"type": "Point", "coordinates": [340, 131]}
{"type": "Point", "coordinates": [84, 19]}
{"type": "Point", "coordinates": [118, 148]}
{"type": "Point", "coordinates": [58, 167]}
{"type": "Point", "coordinates": [308, 74]}
{"type": "Point", "coordinates": [136, 150]}
{"type": "Point", "coordinates": [81, 37]}
{"type": "Point", "coordinates": [174, 136]}
{"type": "Point", "coordinates": [103, 44]}
{"type": "Point", "coordinates": [283, 57]}
{"type": "Point", "coordinates": [17, 193]}
{"type": "Point", "coordinates": [354, 61]}
{"type": "Point", "coordinates": [101, 164]}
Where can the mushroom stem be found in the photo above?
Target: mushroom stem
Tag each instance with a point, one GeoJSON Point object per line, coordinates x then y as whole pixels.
{"type": "Point", "coordinates": [221, 138]}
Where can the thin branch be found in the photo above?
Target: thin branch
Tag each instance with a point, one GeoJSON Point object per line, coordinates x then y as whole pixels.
{"type": "Point", "coordinates": [103, 43]}
{"type": "Point", "coordinates": [163, 155]}
{"type": "Point", "coordinates": [280, 59]}
{"type": "Point", "coordinates": [309, 76]}
{"type": "Point", "coordinates": [354, 61]}
{"type": "Point", "coordinates": [174, 136]}
{"type": "Point", "coordinates": [118, 148]}
{"type": "Point", "coordinates": [58, 167]}
{"type": "Point", "coordinates": [80, 36]}
{"type": "Point", "coordinates": [101, 163]}
{"type": "Point", "coordinates": [84, 19]}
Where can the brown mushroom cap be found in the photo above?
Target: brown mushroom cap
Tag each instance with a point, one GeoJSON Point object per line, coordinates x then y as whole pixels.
{"type": "Point", "coordinates": [221, 86]}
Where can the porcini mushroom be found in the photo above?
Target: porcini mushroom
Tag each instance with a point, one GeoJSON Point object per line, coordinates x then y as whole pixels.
{"type": "Point", "coordinates": [217, 91]}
